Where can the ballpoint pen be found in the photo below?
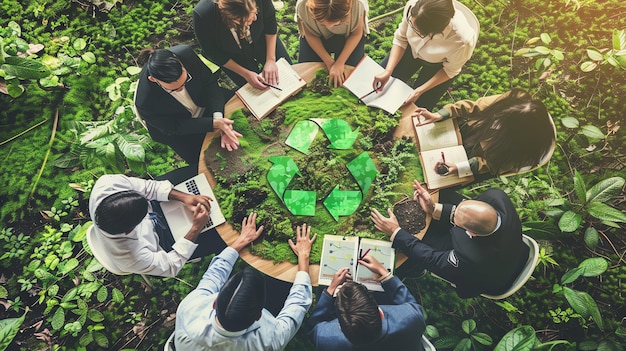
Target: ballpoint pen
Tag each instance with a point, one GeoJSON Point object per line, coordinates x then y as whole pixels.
{"type": "Point", "coordinates": [443, 157]}
{"type": "Point", "coordinates": [272, 86]}
{"type": "Point", "coordinates": [378, 85]}
{"type": "Point", "coordinates": [365, 254]}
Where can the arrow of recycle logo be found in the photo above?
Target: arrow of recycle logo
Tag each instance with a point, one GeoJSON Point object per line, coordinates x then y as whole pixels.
{"type": "Point", "coordinates": [338, 202]}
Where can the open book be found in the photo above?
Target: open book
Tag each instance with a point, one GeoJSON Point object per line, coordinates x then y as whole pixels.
{"type": "Point", "coordinates": [433, 139]}
{"type": "Point", "coordinates": [262, 102]}
{"type": "Point", "coordinates": [344, 251]}
{"type": "Point", "coordinates": [394, 93]}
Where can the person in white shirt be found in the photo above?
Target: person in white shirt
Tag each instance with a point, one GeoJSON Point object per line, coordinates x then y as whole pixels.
{"type": "Point", "coordinates": [228, 314]}
{"type": "Point", "coordinates": [124, 238]}
{"type": "Point", "coordinates": [437, 36]}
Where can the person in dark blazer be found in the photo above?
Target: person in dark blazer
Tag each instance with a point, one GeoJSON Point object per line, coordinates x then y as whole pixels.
{"type": "Point", "coordinates": [240, 36]}
{"type": "Point", "coordinates": [475, 244]}
{"type": "Point", "coordinates": [349, 317]}
{"type": "Point", "coordinates": [180, 101]}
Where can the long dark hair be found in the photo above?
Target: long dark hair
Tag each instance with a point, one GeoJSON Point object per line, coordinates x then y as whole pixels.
{"type": "Point", "coordinates": [432, 16]}
{"type": "Point", "coordinates": [515, 131]}
{"type": "Point", "coordinates": [162, 64]}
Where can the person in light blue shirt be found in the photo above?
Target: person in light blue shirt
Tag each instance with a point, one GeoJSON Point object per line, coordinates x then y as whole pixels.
{"type": "Point", "coordinates": [228, 314]}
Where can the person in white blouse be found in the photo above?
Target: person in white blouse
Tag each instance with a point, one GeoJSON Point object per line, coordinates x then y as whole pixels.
{"type": "Point", "coordinates": [437, 36]}
{"type": "Point", "coordinates": [124, 237]}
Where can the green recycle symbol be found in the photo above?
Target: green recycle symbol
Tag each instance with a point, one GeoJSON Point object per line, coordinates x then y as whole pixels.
{"type": "Point", "coordinates": [338, 202]}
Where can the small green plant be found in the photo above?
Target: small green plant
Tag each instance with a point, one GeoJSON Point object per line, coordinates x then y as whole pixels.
{"type": "Point", "coordinates": [615, 56]}
{"type": "Point", "coordinates": [14, 245]}
{"type": "Point", "coordinates": [563, 316]}
{"type": "Point", "coordinates": [547, 58]}
{"type": "Point", "coordinates": [471, 339]}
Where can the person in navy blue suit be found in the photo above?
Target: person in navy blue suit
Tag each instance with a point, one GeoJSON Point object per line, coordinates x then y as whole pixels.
{"type": "Point", "coordinates": [359, 320]}
{"type": "Point", "coordinates": [475, 244]}
{"type": "Point", "coordinates": [180, 101]}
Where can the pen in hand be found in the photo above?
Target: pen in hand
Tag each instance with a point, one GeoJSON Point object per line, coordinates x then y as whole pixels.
{"type": "Point", "coordinates": [443, 157]}
{"type": "Point", "coordinates": [378, 85]}
{"type": "Point", "coordinates": [365, 254]}
{"type": "Point", "coordinates": [272, 86]}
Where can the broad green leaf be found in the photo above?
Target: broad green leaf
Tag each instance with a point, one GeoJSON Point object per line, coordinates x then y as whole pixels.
{"type": "Point", "coordinates": [72, 294]}
{"type": "Point", "coordinates": [8, 329]}
{"type": "Point", "coordinates": [571, 275]}
{"type": "Point", "coordinates": [518, 339]}
{"type": "Point", "coordinates": [132, 70]}
{"type": "Point", "coordinates": [79, 44]}
{"type": "Point", "coordinates": [85, 339]}
{"type": "Point", "coordinates": [464, 345]}
{"type": "Point", "coordinates": [101, 339]}
{"type": "Point", "coordinates": [95, 316]}
{"type": "Point", "coordinates": [540, 63]}
{"type": "Point", "coordinates": [592, 132]}
{"type": "Point", "coordinates": [595, 54]}
{"type": "Point", "coordinates": [482, 338]}
{"type": "Point", "coordinates": [446, 342]}
{"type": "Point", "coordinates": [22, 45]}
{"type": "Point", "coordinates": [121, 80]}
{"type": "Point", "coordinates": [577, 301]}
{"type": "Point", "coordinates": [130, 148]}
{"type": "Point", "coordinates": [16, 31]}
{"type": "Point", "coordinates": [593, 266]}
{"type": "Point", "coordinates": [619, 39]}
{"type": "Point", "coordinates": [588, 66]}
{"type": "Point", "coordinates": [58, 319]}
{"type": "Point", "coordinates": [52, 62]}
{"type": "Point", "coordinates": [50, 81]}
{"type": "Point", "coordinates": [3, 292]}
{"type": "Point", "coordinates": [542, 50]}
{"type": "Point", "coordinates": [468, 325]}
{"type": "Point", "coordinates": [89, 57]}
{"type": "Point", "coordinates": [15, 90]}
{"type": "Point", "coordinates": [53, 290]}
{"type": "Point", "coordinates": [547, 62]}
{"type": "Point", "coordinates": [610, 345]}
{"type": "Point", "coordinates": [117, 296]}
{"type": "Point", "coordinates": [541, 230]}
{"type": "Point", "coordinates": [591, 238]}
{"type": "Point", "coordinates": [588, 345]}
{"type": "Point", "coordinates": [69, 265]}
{"type": "Point", "coordinates": [605, 190]}
{"type": "Point", "coordinates": [24, 68]}
{"type": "Point", "coordinates": [569, 122]}
{"type": "Point", "coordinates": [81, 233]}
{"type": "Point", "coordinates": [593, 309]}
{"type": "Point", "coordinates": [103, 294]}
{"type": "Point", "coordinates": [605, 212]}
{"type": "Point", "coordinates": [545, 38]}
{"type": "Point", "coordinates": [522, 52]}
{"type": "Point", "coordinates": [579, 187]}
{"type": "Point", "coordinates": [431, 332]}
{"type": "Point", "coordinates": [532, 40]}
{"type": "Point", "coordinates": [621, 60]}
{"type": "Point", "coordinates": [569, 221]}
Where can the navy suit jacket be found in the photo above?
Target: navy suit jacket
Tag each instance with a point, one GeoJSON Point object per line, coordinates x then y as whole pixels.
{"type": "Point", "coordinates": [402, 325]}
{"type": "Point", "coordinates": [483, 264]}
{"type": "Point", "coordinates": [167, 117]}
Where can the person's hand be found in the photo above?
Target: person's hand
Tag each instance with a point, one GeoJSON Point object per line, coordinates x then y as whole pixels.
{"type": "Point", "coordinates": [336, 75]}
{"type": "Point", "coordinates": [380, 80]}
{"type": "Point", "coordinates": [191, 201]}
{"type": "Point", "coordinates": [423, 197]}
{"type": "Point", "coordinates": [249, 232]}
{"type": "Point", "coordinates": [256, 80]}
{"type": "Point", "coordinates": [229, 136]}
{"type": "Point", "coordinates": [339, 278]}
{"type": "Point", "coordinates": [424, 116]}
{"type": "Point", "coordinates": [371, 263]}
{"type": "Point", "coordinates": [413, 97]}
{"type": "Point", "coordinates": [270, 73]}
{"type": "Point", "coordinates": [452, 168]}
{"type": "Point", "coordinates": [384, 224]}
{"type": "Point", "coordinates": [302, 247]}
{"type": "Point", "coordinates": [200, 218]}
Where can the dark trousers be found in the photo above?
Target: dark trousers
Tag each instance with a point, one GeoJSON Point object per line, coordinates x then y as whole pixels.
{"type": "Point", "coordinates": [255, 55]}
{"type": "Point", "coordinates": [208, 242]}
{"type": "Point", "coordinates": [333, 45]}
{"type": "Point", "coordinates": [408, 66]}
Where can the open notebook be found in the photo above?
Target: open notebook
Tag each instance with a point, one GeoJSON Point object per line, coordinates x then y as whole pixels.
{"type": "Point", "coordinates": [179, 218]}
{"type": "Point", "coordinates": [343, 251]}
{"type": "Point", "coordinates": [262, 102]}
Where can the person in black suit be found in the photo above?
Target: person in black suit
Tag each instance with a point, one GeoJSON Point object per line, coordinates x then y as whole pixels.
{"type": "Point", "coordinates": [180, 101]}
{"type": "Point", "coordinates": [475, 244]}
{"type": "Point", "coordinates": [240, 36]}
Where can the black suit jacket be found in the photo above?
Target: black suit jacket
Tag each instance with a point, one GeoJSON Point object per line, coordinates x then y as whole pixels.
{"type": "Point", "coordinates": [164, 115]}
{"type": "Point", "coordinates": [216, 39]}
{"type": "Point", "coordinates": [483, 264]}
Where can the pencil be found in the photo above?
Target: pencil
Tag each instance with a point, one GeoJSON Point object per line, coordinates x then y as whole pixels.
{"type": "Point", "coordinates": [365, 254]}
{"type": "Point", "coordinates": [443, 157]}
{"type": "Point", "coordinates": [272, 86]}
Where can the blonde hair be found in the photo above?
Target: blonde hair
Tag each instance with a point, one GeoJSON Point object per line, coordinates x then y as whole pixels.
{"type": "Point", "coordinates": [329, 10]}
{"type": "Point", "coordinates": [235, 13]}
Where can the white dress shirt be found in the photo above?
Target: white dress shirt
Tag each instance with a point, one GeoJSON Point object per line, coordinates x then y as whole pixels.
{"type": "Point", "coordinates": [453, 47]}
{"type": "Point", "coordinates": [138, 251]}
{"type": "Point", "coordinates": [197, 329]}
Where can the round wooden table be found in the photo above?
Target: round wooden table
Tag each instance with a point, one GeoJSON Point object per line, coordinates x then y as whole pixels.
{"type": "Point", "coordinates": [285, 270]}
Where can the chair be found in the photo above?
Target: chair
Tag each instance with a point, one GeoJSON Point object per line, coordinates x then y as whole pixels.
{"type": "Point", "coordinates": [543, 160]}
{"type": "Point", "coordinates": [97, 256]}
{"type": "Point", "coordinates": [427, 345]}
{"type": "Point", "coordinates": [522, 278]}
{"type": "Point", "coordinates": [169, 344]}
